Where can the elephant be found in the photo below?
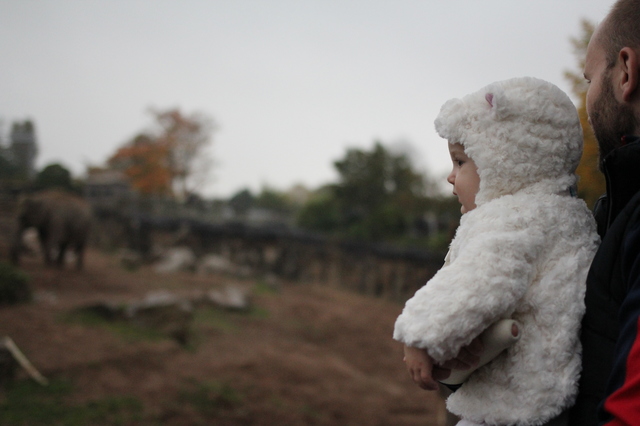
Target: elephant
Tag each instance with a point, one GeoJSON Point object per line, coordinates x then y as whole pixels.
{"type": "Point", "coordinates": [63, 220]}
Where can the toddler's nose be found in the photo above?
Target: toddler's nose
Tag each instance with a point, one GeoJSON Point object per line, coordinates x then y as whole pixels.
{"type": "Point", "coordinates": [451, 178]}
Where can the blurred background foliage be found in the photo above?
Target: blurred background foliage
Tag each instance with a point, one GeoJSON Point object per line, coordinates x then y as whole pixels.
{"type": "Point", "coordinates": [380, 197]}
{"type": "Point", "coordinates": [591, 184]}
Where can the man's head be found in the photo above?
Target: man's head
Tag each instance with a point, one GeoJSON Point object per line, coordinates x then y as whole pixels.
{"type": "Point", "coordinates": [611, 68]}
{"type": "Point", "coordinates": [620, 29]}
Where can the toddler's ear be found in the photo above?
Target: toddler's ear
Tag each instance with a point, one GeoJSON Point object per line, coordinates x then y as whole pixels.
{"type": "Point", "coordinates": [498, 103]}
{"type": "Point", "coordinates": [489, 98]}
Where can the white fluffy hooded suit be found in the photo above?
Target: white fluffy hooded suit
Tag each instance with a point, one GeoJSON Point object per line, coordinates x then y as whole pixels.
{"type": "Point", "coordinates": [522, 253]}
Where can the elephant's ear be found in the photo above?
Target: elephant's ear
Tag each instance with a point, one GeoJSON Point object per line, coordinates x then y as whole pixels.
{"type": "Point", "coordinates": [23, 205]}
{"type": "Point", "coordinates": [31, 204]}
{"type": "Point", "coordinates": [31, 209]}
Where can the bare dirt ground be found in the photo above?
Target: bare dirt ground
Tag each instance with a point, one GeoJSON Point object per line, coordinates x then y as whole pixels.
{"type": "Point", "coordinates": [304, 355]}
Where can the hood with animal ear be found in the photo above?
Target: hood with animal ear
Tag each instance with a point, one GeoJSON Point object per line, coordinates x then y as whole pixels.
{"type": "Point", "coordinates": [523, 134]}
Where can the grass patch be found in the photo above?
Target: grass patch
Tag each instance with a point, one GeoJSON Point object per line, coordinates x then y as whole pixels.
{"type": "Point", "coordinates": [216, 319]}
{"type": "Point", "coordinates": [226, 321]}
{"type": "Point", "coordinates": [27, 403]}
{"type": "Point", "coordinates": [129, 331]}
{"type": "Point", "coordinates": [259, 313]}
{"type": "Point", "coordinates": [84, 317]}
{"type": "Point", "coordinates": [211, 398]}
{"type": "Point", "coordinates": [263, 288]}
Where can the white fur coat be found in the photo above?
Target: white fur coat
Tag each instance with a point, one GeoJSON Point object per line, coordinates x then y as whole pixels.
{"type": "Point", "coordinates": [523, 253]}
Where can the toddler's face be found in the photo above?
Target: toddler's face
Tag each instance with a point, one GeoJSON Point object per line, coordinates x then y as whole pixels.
{"type": "Point", "coordinates": [464, 177]}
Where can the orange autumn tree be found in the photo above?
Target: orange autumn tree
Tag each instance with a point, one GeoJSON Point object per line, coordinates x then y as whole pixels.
{"type": "Point", "coordinates": [144, 162]}
{"type": "Point", "coordinates": [169, 159]}
{"type": "Point", "coordinates": [591, 184]}
{"type": "Point", "coordinates": [185, 138]}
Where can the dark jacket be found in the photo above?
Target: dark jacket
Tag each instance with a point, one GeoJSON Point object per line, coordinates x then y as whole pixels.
{"type": "Point", "coordinates": [609, 282]}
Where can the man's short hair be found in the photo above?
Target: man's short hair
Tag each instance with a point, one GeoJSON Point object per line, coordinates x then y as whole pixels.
{"type": "Point", "coordinates": [621, 29]}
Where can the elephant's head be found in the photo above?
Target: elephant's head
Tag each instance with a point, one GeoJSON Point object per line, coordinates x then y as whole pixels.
{"type": "Point", "coordinates": [30, 212]}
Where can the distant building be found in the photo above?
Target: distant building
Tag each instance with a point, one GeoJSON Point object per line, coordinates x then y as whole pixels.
{"type": "Point", "coordinates": [107, 188]}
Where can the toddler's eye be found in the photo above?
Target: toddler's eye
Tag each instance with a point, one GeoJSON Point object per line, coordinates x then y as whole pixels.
{"type": "Point", "coordinates": [459, 163]}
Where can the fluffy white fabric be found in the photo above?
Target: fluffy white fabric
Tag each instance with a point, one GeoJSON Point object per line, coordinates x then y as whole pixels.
{"type": "Point", "coordinates": [467, 423]}
{"type": "Point", "coordinates": [523, 253]}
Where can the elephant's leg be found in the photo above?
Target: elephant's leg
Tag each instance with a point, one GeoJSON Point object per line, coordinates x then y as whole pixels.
{"type": "Point", "coordinates": [62, 249]}
{"type": "Point", "coordinates": [45, 244]}
{"type": "Point", "coordinates": [16, 246]}
{"type": "Point", "coordinates": [79, 250]}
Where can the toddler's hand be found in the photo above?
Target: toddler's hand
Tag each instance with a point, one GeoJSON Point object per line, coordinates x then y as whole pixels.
{"type": "Point", "coordinates": [420, 367]}
{"type": "Point", "coordinates": [468, 357]}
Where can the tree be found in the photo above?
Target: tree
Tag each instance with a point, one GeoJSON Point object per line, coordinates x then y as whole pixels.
{"type": "Point", "coordinates": [169, 159]}
{"type": "Point", "coordinates": [591, 184]}
{"type": "Point", "coordinates": [379, 192]}
{"type": "Point", "coordinates": [54, 176]}
{"type": "Point", "coordinates": [17, 158]}
{"type": "Point", "coordinates": [8, 170]}
{"type": "Point", "coordinates": [24, 148]}
{"type": "Point", "coordinates": [379, 196]}
{"type": "Point", "coordinates": [185, 138]}
{"type": "Point", "coordinates": [321, 212]}
{"type": "Point", "coordinates": [242, 201]}
{"type": "Point", "coordinates": [144, 162]}
{"type": "Point", "coordinates": [276, 201]}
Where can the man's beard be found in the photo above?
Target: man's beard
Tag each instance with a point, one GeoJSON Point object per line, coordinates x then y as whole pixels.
{"type": "Point", "coordinates": [610, 120]}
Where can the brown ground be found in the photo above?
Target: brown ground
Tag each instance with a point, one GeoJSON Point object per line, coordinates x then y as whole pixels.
{"type": "Point", "coordinates": [306, 355]}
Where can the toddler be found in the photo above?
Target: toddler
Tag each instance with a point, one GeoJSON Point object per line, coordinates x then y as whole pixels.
{"type": "Point", "coordinates": [521, 252]}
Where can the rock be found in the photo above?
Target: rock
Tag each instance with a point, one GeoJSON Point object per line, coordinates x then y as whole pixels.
{"type": "Point", "coordinates": [176, 259]}
{"type": "Point", "coordinates": [213, 263]}
{"type": "Point", "coordinates": [217, 264]}
{"type": "Point", "coordinates": [231, 297]}
{"type": "Point", "coordinates": [162, 312]}
{"type": "Point", "coordinates": [159, 311]}
{"type": "Point", "coordinates": [45, 296]}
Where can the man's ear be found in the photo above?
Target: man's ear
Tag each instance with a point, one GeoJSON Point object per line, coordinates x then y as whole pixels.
{"type": "Point", "coordinates": [628, 59]}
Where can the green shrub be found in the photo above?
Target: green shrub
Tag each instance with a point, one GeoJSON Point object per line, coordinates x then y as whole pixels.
{"type": "Point", "coordinates": [14, 285]}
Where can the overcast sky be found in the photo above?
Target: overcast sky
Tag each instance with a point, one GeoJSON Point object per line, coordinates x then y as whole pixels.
{"type": "Point", "coordinates": [291, 83]}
